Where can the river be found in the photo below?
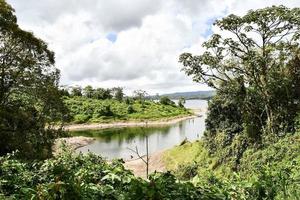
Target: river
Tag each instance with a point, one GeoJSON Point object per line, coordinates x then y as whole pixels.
{"type": "Point", "coordinates": [116, 142]}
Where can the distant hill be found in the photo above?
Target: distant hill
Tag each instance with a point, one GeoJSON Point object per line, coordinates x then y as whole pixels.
{"type": "Point", "coordinates": [190, 95]}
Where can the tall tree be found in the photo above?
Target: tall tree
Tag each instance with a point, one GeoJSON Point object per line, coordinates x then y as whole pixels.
{"type": "Point", "coordinates": [88, 91]}
{"type": "Point", "coordinates": [258, 55]}
{"type": "Point", "coordinates": [140, 95]}
{"type": "Point", "coordinates": [29, 95]}
{"type": "Point", "coordinates": [76, 91]}
{"type": "Point", "coordinates": [102, 93]}
{"type": "Point", "coordinates": [181, 102]}
{"type": "Point", "coordinates": [118, 93]}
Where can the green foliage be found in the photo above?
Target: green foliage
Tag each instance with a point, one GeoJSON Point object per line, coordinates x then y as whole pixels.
{"type": "Point", "coordinates": [271, 172]}
{"type": "Point", "coordinates": [259, 61]}
{"type": "Point", "coordinates": [140, 95]}
{"type": "Point", "coordinates": [101, 93]}
{"type": "Point", "coordinates": [181, 102]}
{"type": "Point", "coordinates": [255, 71]}
{"type": "Point", "coordinates": [130, 109]}
{"type": "Point", "coordinates": [128, 100]}
{"type": "Point", "coordinates": [88, 91]}
{"type": "Point", "coordinates": [250, 148]}
{"type": "Point", "coordinates": [118, 93]}
{"type": "Point", "coordinates": [29, 94]}
{"type": "Point", "coordinates": [71, 176]}
{"type": "Point", "coordinates": [223, 115]}
{"type": "Point", "coordinates": [92, 110]}
{"type": "Point", "coordinates": [166, 101]}
{"type": "Point", "coordinates": [81, 118]}
{"type": "Point", "coordinates": [76, 91]}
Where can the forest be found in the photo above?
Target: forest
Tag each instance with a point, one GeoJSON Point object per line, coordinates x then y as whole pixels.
{"type": "Point", "coordinates": [250, 148]}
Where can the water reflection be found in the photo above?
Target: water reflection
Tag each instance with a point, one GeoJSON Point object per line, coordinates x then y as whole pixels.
{"type": "Point", "coordinates": [123, 135]}
{"type": "Point", "coordinates": [114, 142]}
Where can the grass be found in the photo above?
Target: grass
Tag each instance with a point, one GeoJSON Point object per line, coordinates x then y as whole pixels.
{"type": "Point", "coordinates": [182, 155]}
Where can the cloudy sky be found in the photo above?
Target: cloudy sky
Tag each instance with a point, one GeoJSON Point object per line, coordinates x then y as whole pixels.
{"type": "Point", "coordinates": [134, 44]}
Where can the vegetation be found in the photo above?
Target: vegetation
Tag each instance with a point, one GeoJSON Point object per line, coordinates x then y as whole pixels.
{"type": "Point", "coordinates": [94, 105]}
{"type": "Point", "coordinates": [251, 144]}
{"type": "Point", "coordinates": [29, 96]}
{"type": "Point", "coordinates": [95, 93]}
{"type": "Point", "coordinates": [85, 110]}
{"type": "Point", "coordinates": [181, 102]}
{"type": "Point", "coordinates": [166, 101]}
{"type": "Point", "coordinates": [73, 176]}
{"type": "Point", "coordinates": [250, 148]}
{"type": "Point", "coordinates": [255, 72]}
{"type": "Point", "coordinates": [271, 172]}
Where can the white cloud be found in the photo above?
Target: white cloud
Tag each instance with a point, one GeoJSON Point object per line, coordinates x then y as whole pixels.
{"type": "Point", "coordinates": [150, 35]}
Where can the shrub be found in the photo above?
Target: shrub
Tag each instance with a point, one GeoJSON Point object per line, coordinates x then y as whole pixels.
{"type": "Point", "coordinates": [130, 109]}
{"type": "Point", "coordinates": [81, 118]}
{"type": "Point", "coordinates": [166, 101]}
{"type": "Point", "coordinates": [78, 176]}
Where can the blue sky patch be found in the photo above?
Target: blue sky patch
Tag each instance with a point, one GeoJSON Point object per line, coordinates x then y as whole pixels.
{"type": "Point", "coordinates": [210, 22]}
{"type": "Point", "coordinates": [112, 37]}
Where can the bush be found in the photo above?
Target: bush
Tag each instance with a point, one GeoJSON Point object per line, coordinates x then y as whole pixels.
{"type": "Point", "coordinates": [166, 101]}
{"type": "Point", "coordinates": [81, 118]}
{"type": "Point", "coordinates": [104, 110]}
{"type": "Point", "coordinates": [78, 176]}
{"type": "Point", "coordinates": [130, 109]}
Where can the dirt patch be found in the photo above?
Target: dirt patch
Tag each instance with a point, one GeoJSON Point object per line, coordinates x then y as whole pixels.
{"type": "Point", "coordinates": [139, 167]}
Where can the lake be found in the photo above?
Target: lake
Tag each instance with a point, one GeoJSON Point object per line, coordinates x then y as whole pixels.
{"type": "Point", "coordinates": [115, 142]}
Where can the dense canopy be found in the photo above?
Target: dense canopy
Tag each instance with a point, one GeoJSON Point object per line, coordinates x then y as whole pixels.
{"type": "Point", "coordinates": [29, 96]}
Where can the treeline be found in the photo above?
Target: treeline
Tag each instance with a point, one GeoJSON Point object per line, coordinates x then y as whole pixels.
{"type": "Point", "coordinates": [116, 93]}
{"type": "Point", "coordinates": [83, 109]}
{"type": "Point", "coordinates": [96, 93]}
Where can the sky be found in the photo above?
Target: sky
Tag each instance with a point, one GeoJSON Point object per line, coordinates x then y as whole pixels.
{"type": "Point", "coordinates": [134, 44]}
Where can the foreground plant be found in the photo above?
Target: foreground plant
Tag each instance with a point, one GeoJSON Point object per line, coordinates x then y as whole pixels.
{"type": "Point", "coordinates": [78, 176]}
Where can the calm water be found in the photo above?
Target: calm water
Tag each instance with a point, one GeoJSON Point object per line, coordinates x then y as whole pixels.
{"type": "Point", "coordinates": [114, 143]}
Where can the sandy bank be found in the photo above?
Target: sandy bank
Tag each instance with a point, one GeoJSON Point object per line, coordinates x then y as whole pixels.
{"type": "Point", "coordinates": [72, 142]}
{"type": "Point", "coordinates": [169, 121]}
{"type": "Point", "coordinates": [139, 167]}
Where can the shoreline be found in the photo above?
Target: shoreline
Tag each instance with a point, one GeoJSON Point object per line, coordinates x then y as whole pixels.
{"type": "Point", "coordinates": [73, 142]}
{"type": "Point", "coordinates": [137, 166]}
{"type": "Point", "coordinates": [98, 126]}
